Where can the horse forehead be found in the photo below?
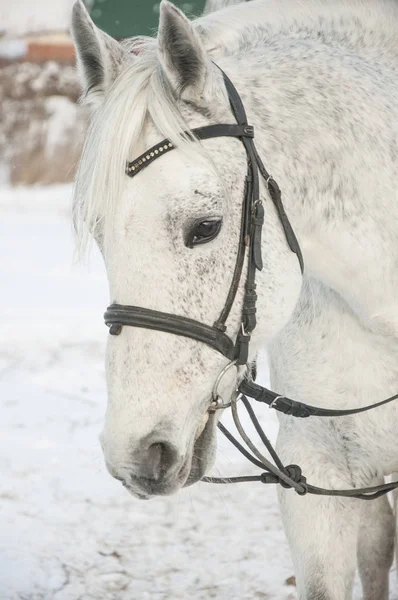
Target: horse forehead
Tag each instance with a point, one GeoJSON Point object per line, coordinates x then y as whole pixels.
{"type": "Point", "coordinates": [176, 178]}
{"type": "Point", "coordinates": [206, 168]}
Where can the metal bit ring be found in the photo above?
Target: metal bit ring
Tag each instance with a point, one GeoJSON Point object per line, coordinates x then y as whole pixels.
{"type": "Point", "coordinates": [217, 401]}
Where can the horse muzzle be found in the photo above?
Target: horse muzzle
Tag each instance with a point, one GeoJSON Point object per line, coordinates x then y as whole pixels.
{"type": "Point", "coordinates": [159, 468]}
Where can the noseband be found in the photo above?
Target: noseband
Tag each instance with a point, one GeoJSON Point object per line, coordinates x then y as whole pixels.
{"type": "Point", "coordinates": [252, 219]}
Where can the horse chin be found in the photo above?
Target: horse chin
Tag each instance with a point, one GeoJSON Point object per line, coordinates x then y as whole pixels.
{"type": "Point", "coordinates": [204, 452]}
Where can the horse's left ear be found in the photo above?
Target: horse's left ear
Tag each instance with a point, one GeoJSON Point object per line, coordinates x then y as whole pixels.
{"type": "Point", "coordinates": [99, 56]}
{"type": "Point", "coordinates": [181, 52]}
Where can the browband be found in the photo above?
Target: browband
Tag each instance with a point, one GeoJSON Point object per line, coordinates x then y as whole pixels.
{"type": "Point", "coordinates": [200, 133]}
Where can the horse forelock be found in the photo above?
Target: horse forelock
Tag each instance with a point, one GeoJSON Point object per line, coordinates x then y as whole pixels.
{"type": "Point", "coordinates": [140, 94]}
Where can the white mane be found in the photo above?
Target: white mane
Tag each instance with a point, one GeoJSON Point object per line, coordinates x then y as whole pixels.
{"type": "Point", "coordinates": [114, 134]}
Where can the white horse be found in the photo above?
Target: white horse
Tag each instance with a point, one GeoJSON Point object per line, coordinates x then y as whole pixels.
{"type": "Point", "coordinates": [319, 82]}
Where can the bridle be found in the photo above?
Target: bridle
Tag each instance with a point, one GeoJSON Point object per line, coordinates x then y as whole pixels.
{"type": "Point", "coordinates": [252, 219]}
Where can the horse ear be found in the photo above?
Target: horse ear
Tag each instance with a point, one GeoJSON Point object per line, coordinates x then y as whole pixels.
{"type": "Point", "coordinates": [99, 56]}
{"type": "Point", "coordinates": [181, 52]}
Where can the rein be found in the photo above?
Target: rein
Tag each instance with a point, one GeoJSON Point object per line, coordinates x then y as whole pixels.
{"type": "Point", "coordinates": [290, 476]}
{"type": "Point", "coordinates": [252, 219]}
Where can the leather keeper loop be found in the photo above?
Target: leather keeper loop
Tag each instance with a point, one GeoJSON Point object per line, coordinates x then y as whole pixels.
{"type": "Point", "coordinates": [257, 224]}
{"type": "Point", "coordinates": [242, 349]}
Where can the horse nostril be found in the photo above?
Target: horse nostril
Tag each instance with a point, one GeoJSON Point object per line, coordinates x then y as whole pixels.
{"type": "Point", "coordinates": [161, 456]}
{"type": "Point", "coordinates": [154, 460]}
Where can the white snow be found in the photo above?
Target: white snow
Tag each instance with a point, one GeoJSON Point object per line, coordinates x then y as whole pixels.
{"type": "Point", "coordinates": [13, 49]}
{"type": "Point", "coordinates": [38, 16]}
{"type": "Point", "coordinates": [68, 531]}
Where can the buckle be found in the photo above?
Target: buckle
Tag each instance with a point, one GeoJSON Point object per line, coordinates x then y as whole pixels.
{"type": "Point", "coordinates": [249, 131]}
{"type": "Point", "coordinates": [272, 404]}
{"type": "Point", "coordinates": [244, 332]}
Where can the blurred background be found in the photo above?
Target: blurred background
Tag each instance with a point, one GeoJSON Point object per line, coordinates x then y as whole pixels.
{"type": "Point", "coordinates": [67, 530]}
{"type": "Point", "coordinates": [41, 125]}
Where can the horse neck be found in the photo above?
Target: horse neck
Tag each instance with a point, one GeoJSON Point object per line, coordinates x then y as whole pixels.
{"type": "Point", "coordinates": [325, 127]}
{"type": "Point", "coordinates": [303, 89]}
{"type": "Point", "coordinates": [225, 28]}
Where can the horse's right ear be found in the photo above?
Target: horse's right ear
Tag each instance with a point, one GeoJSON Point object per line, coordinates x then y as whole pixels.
{"type": "Point", "coordinates": [99, 56]}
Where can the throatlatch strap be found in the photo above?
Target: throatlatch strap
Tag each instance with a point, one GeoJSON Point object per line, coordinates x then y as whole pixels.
{"type": "Point", "coordinates": [276, 195]}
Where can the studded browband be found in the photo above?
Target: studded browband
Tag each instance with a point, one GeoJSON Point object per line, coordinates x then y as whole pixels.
{"type": "Point", "coordinates": [200, 133]}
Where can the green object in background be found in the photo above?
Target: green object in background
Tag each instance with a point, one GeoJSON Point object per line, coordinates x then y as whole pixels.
{"type": "Point", "coordinates": [126, 18]}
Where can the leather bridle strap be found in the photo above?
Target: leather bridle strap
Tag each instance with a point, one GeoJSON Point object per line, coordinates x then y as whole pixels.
{"type": "Point", "coordinates": [200, 133]}
{"type": "Point", "coordinates": [289, 476]}
{"type": "Point", "coordinates": [135, 316]}
{"type": "Point", "coordinates": [276, 196]}
{"type": "Point", "coordinates": [252, 219]}
{"type": "Point", "coordinates": [299, 409]}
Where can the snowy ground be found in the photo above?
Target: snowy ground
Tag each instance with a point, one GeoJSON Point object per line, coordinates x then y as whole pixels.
{"type": "Point", "coordinates": [68, 531]}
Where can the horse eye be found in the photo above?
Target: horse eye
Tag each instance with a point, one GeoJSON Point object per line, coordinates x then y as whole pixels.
{"type": "Point", "coordinates": [202, 232]}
